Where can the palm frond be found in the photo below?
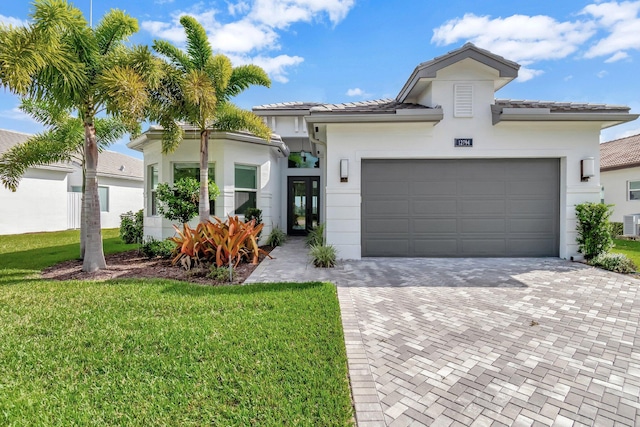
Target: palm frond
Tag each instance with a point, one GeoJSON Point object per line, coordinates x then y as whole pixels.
{"type": "Point", "coordinates": [47, 112]}
{"type": "Point", "coordinates": [198, 46]}
{"type": "Point", "coordinates": [123, 92]}
{"type": "Point", "coordinates": [42, 149]}
{"type": "Point", "coordinates": [109, 130]}
{"type": "Point", "coordinates": [243, 77]}
{"type": "Point", "coordinates": [20, 58]}
{"type": "Point", "coordinates": [200, 93]}
{"type": "Point", "coordinates": [113, 29]}
{"type": "Point", "coordinates": [219, 69]}
{"type": "Point", "coordinates": [176, 56]}
{"type": "Point", "coordinates": [172, 135]}
{"type": "Point", "coordinates": [230, 118]}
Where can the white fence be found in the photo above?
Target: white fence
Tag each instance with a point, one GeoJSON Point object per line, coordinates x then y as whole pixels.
{"type": "Point", "coordinates": [74, 204]}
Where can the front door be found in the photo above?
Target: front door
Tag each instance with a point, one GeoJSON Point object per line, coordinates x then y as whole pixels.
{"type": "Point", "coordinates": [303, 210]}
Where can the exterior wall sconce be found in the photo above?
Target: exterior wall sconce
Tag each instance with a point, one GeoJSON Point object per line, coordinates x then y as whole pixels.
{"type": "Point", "coordinates": [344, 170]}
{"type": "Point", "coordinates": [587, 169]}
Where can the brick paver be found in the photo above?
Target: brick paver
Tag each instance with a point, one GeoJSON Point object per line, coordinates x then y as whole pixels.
{"type": "Point", "coordinates": [483, 341]}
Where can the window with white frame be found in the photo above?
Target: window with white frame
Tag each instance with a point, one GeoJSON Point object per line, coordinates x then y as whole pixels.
{"type": "Point", "coordinates": [103, 193]}
{"type": "Point", "coordinates": [192, 170]}
{"type": "Point", "coordinates": [246, 188]}
{"type": "Point", "coordinates": [633, 190]}
{"type": "Point", "coordinates": [153, 186]}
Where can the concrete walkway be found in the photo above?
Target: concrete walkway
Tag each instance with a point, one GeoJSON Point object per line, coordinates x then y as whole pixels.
{"type": "Point", "coordinates": [482, 342]}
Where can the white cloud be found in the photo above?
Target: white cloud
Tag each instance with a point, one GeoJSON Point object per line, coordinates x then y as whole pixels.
{"type": "Point", "coordinates": [622, 23]}
{"type": "Point", "coordinates": [617, 57]}
{"type": "Point", "coordinates": [569, 77]}
{"type": "Point", "coordinates": [520, 38]}
{"type": "Point", "coordinates": [277, 66]}
{"type": "Point", "coordinates": [602, 74]}
{"type": "Point", "coordinates": [525, 74]}
{"type": "Point", "coordinates": [10, 20]}
{"type": "Point", "coordinates": [238, 8]}
{"type": "Point", "coordinates": [163, 1]}
{"type": "Point", "coordinates": [243, 36]}
{"type": "Point", "coordinates": [357, 92]}
{"type": "Point", "coordinates": [282, 13]}
{"type": "Point", "coordinates": [16, 113]}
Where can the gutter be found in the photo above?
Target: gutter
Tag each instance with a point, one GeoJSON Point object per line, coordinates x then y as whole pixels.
{"type": "Point", "coordinates": [400, 116]}
{"type": "Point", "coordinates": [500, 114]}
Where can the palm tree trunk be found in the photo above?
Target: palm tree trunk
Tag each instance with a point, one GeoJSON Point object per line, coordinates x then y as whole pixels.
{"type": "Point", "coordinates": [93, 254]}
{"type": "Point", "coordinates": [204, 176]}
{"type": "Point", "coordinates": [83, 213]}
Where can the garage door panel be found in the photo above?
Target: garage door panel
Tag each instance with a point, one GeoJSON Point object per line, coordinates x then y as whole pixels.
{"type": "Point", "coordinates": [440, 207]}
{"type": "Point", "coordinates": [435, 247]}
{"type": "Point", "coordinates": [389, 189]}
{"type": "Point", "coordinates": [483, 247]}
{"type": "Point", "coordinates": [532, 208]}
{"type": "Point", "coordinates": [436, 225]}
{"type": "Point", "coordinates": [388, 207]}
{"type": "Point", "coordinates": [461, 208]}
{"type": "Point", "coordinates": [388, 247]}
{"type": "Point", "coordinates": [482, 225]}
{"type": "Point", "coordinates": [388, 226]}
{"type": "Point", "coordinates": [482, 188]}
{"type": "Point", "coordinates": [482, 207]}
{"type": "Point", "coordinates": [433, 188]}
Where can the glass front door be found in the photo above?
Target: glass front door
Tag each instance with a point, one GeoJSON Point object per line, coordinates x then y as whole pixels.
{"type": "Point", "coordinates": [303, 212]}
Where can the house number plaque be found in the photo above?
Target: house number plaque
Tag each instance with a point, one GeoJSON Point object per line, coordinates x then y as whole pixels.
{"type": "Point", "coordinates": [463, 142]}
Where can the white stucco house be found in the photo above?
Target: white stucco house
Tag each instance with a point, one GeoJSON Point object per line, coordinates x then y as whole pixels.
{"type": "Point", "coordinates": [620, 176]}
{"type": "Point", "coordinates": [443, 170]}
{"type": "Point", "coordinates": [48, 197]}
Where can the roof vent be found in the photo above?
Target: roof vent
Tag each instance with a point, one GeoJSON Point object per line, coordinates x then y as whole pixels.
{"type": "Point", "coordinates": [463, 100]}
{"type": "Point", "coordinates": [121, 168]}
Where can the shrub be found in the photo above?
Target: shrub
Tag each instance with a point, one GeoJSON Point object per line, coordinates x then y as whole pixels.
{"type": "Point", "coordinates": [617, 229]}
{"type": "Point", "coordinates": [323, 256]}
{"type": "Point", "coordinates": [221, 274]}
{"type": "Point", "coordinates": [277, 237]}
{"type": "Point", "coordinates": [316, 236]}
{"type": "Point", "coordinates": [254, 214]}
{"type": "Point", "coordinates": [223, 243]}
{"type": "Point", "coordinates": [132, 227]}
{"type": "Point", "coordinates": [153, 248]}
{"type": "Point", "coordinates": [181, 202]}
{"type": "Point", "coordinates": [618, 263]}
{"type": "Point", "coordinates": [594, 231]}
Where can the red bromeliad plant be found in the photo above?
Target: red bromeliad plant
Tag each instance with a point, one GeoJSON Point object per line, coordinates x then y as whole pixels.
{"type": "Point", "coordinates": [226, 243]}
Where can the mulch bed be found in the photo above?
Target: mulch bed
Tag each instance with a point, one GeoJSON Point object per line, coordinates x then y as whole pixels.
{"type": "Point", "coordinates": [132, 264]}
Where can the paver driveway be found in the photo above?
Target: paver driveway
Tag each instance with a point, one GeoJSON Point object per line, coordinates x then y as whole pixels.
{"type": "Point", "coordinates": [452, 342]}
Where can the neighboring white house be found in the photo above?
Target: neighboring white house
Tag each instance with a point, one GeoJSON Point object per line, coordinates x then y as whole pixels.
{"type": "Point", "coordinates": [620, 175]}
{"type": "Point", "coordinates": [442, 170]}
{"type": "Point", "coordinates": [48, 197]}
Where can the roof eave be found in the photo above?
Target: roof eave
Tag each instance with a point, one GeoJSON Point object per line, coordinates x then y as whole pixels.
{"type": "Point", "coordinates": [403, 116]}
{"type": "Point", "coordinates": [281, 112]}
{"type": "Point", "coordinates": [545, 115]}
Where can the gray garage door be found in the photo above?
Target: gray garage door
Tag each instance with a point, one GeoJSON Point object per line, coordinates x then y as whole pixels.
{"type": "Point", "coordinates": [460, 208]}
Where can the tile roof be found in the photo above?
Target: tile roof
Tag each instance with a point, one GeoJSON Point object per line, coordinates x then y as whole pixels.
{"type": "Point", "coordinates": [120, 165]}
{"type": "Point", "coordinates": [296, 105]}
{"type": "Point", "coordinates": [109, 162]}
{"type": "Point", "coordinates": [560, 106]}
{"type": "Point", "coordinates": [620, 153]}
{"type": "Point", "coordinates": [389, 106]}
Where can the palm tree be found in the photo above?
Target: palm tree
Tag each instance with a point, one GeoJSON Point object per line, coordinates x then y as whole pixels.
{"type": "Point", "coordinates": [197, 87]}
{"type": "Point", "coordinates": [58, 58]}
{"type": "Point", "coordinates": [62, 141]}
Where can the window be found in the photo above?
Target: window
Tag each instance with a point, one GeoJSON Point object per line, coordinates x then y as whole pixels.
{"type": "Point", "coordinates": [246, 184]}
{"type": "Point", "coordinates": [103, 193]}
{"type": "Point", "coordinates": [153, 186]}
{"type": "Point", "coordinates": [634, 190]}
{"type": "Point", "coordinates": [192, 170]}
{"type": "Point", "coordinates": [76, 188]}
{"type": "Point", "coordinates": [303, 159]}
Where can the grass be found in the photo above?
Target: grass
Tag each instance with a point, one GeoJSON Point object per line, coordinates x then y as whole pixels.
{"type": "Point", "coordinates": [630, 248]}
{"type": "Point", "coordinates": [160, 352]}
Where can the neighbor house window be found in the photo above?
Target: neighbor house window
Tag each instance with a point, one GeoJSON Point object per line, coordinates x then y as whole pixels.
{"type": "Point", "coordinates": [153, 186]}
{"type": "Point", "coordinates": [192, 170]}
{"type": "Point", "coordinates": [634, 190]}
{"type": "Point", "coordinates": [103, 193]}
{"type": "Point", "coordinates": [246, 184]}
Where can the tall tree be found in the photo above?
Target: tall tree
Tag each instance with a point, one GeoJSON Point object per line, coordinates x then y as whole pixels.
{"type": "Point", "coordinates": [62, 141]}
{"type": "Point", "coordinates": [59, 59]}
{"type": "Point", "coordinates": [197, 88]}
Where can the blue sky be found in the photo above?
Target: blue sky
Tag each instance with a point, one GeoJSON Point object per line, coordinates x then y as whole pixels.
{"type": "Point", "coordinates": [350, 50]}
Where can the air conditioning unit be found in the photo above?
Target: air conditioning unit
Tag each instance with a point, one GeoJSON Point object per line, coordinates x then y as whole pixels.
{"type": "Point", "coordinates": [631, 225]}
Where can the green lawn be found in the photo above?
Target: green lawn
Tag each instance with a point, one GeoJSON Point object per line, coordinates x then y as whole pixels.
{"type": "Point", "coordinates": [630, 248]}
{"type": "Point", "coordinates": [159, 352]}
